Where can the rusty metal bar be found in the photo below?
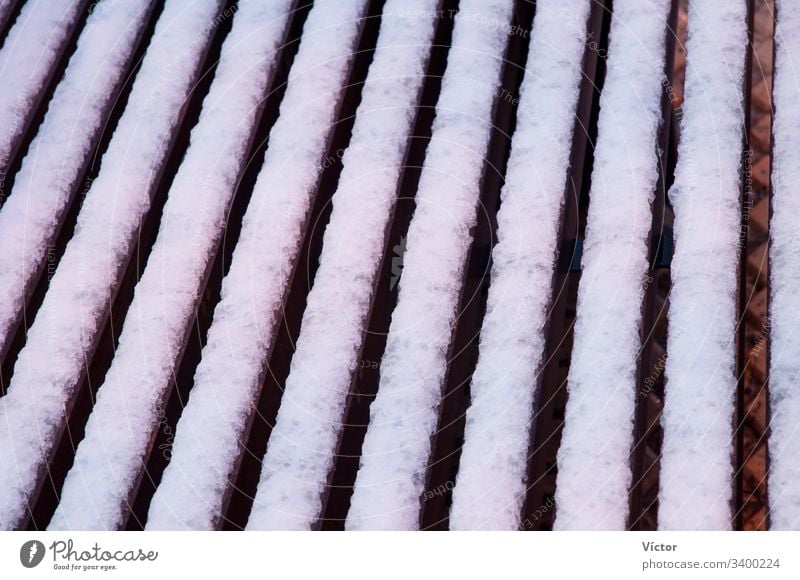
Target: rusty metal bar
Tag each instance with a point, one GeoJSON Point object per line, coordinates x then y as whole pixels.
{"type": "Point", "coordinates": [742, 298]}
{"type": "Point", "coordinates": [747, 350]}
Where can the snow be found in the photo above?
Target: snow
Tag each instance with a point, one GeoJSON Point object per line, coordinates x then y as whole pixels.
{"type": "Point", "coordinates": [594, 471]}
{"type": "Point", "coordinates": [490, 485]}
{"type": "Point", "coordinates": [594, 456]}
{"type": "Point", "coordinates": [696, 466]}
{"type": "Point", "coordinates": [129, 403]}
{"type": "Point", "coordinates": [403, 416]}
{"type": "Point", "coordinates": [29, 53]}
{"type": "Point", "coordinates": [303, 444]}
{"type": "Point", "coordinates": [227, 380]}
{"type": "Point", "coordinates": [784, 474]}
{"type": "Point", "coordinates": [75, 307]}
{"type": "Point", "coordinates": [48, 178]}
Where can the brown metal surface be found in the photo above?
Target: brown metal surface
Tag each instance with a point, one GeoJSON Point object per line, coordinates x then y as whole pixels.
{"type": "Point", "coordinates": [753, 332]}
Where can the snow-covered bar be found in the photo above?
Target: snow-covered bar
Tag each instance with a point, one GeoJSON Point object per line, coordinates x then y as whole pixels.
{"type": "Point", "coordinates": [303, 444]}
{"type": "Point", "coordinates": [48, 179]}
{"type": "Point", "coordinates": [213, 426]}
{"type": "Point", "coordinates": [784, 439]}
{"type": "Point", "coordinates": [51, 365]}
{"type": "Point", "coordinates": [696, 460]}
{"type": "Point", "coordinates": [397, 447]}
{"type": "Point", "coordinates": [30, 53]}
{"type": "Point", "coordinates": [490, 485]}
{"type": "Point", "coordinates": [594, 456]}
{"type": "Point", "coordinates": [109, 461]}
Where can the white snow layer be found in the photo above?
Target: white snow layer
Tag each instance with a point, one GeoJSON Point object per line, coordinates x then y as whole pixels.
{"type": "Point", "coordinates": [303, 443]}
{"type": "Point", "coordinates": [403, 416]}
{"type": "Point", "coordinates": [30, 219]}
{"type": "Point", "coordinates": [213, 425]}
{"type": "Point", "coordinates": [29, 53]}
{"type": "Point", "coordinates": [594, 456]}
{"type": "Point", "coordinates": [696, 466]}
{"type": "Point", "coordinates": [490, 485]}
{"type": "Point", "coordinates": [131, 400]}
{"type": "Point", "coordinates": [784, 320]}
{"type": "Point", "coordinates": [88, 275]}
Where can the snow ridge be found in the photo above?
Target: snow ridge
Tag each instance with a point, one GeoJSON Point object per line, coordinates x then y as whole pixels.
{"type": "Point", "coordinates": [403, 416]}
{"type": "Point", "coordinates": [130, 400]}
{"type": "Point", "coordinates": [303, 443]}
{"type": "Point", "coordinates": [784, 475]}
{"type": "Point", "coordinates": [490, 485]}
{"type": "Point", "coordinates": [696, 466]}
{"type": "Point", "coordinates": [88, 275]}
{"type": "Point", "coordinates": [29, 53]}
{"type": "Point", "coordinates": [60, 150]}
{"type": "Point", "coordinates": [593, 459]}
{"type": "Point", "coordinates": [226, 384]}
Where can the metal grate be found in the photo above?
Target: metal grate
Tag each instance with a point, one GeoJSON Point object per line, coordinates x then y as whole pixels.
{"type": "Point", "coordinates": [539, 510]}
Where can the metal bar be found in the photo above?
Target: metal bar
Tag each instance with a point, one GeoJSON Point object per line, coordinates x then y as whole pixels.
{"type": "Point", "coordinates": [748, 317]}
{"type": "Point", "coordinates": [768, 355]}
{"type": "Point", "coordinates": [742, 298]}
